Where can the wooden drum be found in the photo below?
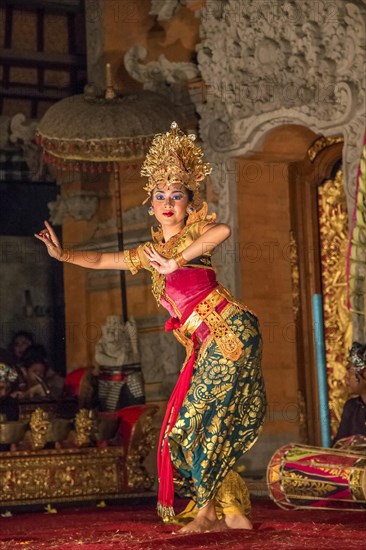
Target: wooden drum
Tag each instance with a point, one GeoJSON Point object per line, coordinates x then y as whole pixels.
{"type": "Point", "coordinates": [300, 476]}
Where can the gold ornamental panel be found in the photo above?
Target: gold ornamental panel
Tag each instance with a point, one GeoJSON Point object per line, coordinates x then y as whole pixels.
{"type": "Point", "coordinates": [28, 477]}
{"type": "Point", "coordinates": [333, 225]}
{"type": "Point", "coordinates": [295, 275]}
{"type": "Point", "coordinates": [322, 143]}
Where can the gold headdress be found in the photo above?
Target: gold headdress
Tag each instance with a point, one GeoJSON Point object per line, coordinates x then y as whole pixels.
{"type": "Point", "coordinates": [356, 356]}
{"type": "Point", "coordinates": [175, 158]}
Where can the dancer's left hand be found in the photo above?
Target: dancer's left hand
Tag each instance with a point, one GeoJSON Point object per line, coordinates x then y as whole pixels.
{"type": "Point", "coordinates": [158, 262]}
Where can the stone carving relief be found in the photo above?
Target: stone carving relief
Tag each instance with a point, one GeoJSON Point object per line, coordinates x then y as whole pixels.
{"type": "Point", "coordinates": [164, 77]}
{"type": "Point", "coordinates": [17, 133]}
{"type": "Point", "coordinates": [118, 344]}
{"type": "Point", "coordinates": [158, 74]}
{"type": "Point", "coordinates": [165, 9]}
{"type": "Point", "coordinates": [22, 132]}
{"type": "Point", "coordinates": [80, 205]}
{"type": "Point", "coordinates": [165, 369]}
{"type": "Point", "coordinates": [133, 216]}
{"type": "Point", "coordinates": [266, 64]}
{"type": "Point", "coordinates": [138, 214]}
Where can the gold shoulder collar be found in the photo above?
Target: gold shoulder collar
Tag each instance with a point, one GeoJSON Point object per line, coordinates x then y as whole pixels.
{"type": "Point", "coordinates": [201, 215]}
{"type": "Point", "coordinates": [157, 234]}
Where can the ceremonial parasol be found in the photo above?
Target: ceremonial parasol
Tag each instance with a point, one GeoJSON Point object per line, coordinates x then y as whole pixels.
{"type": "Point", "coordinates": [93, 132]}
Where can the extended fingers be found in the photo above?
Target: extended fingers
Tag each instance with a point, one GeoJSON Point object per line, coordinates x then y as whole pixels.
{"type": "Point", "coordinates": [49, 229]}
{"type": "Point", "coordinates": [51, 232]}
{"type": "Point", "coordinates": [47, 235]}
{"type": "Point", "coordinates": [40, 237]}
{"type": "Point", "coordinates": [45, 238]}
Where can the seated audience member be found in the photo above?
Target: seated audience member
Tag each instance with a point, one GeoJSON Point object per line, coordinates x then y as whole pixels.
{"type": "Point", "coordinates": [40, 379]}
{"type": "Point", "coordinates": [353, 421]}
{"type": "Point", "coordinates": [19, 343]}
{"type": "Point", "coordinates": [9, 407]}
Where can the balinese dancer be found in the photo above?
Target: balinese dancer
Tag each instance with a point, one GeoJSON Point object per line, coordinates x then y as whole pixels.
{"type": "Point", "coordinates": [217, 407]}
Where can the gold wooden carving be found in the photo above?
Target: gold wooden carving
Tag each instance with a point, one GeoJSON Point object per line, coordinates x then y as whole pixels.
{"type": "Point", "coordinates": [74, 470]}
{"type": "Point", "coordinates": [295, 276]}
{"type": "Point", "coordinates": [333, 225]}
{"type": "Point", "coordinates": [28, 477]}
{"type": "Point", "coordinates": [84, 427]}
{"type": "Point", "coordinates": [320, 144]}
{"type": "Point", "coordinates": [39, 426]}
{"type": "Point", "coordinates": [143, 439]}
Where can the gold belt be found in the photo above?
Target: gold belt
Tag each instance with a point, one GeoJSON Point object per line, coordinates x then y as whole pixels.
{"type": "Point", "coordinates": [205, 312]}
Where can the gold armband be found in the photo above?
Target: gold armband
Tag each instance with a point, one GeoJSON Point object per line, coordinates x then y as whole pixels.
{"type": "Point", "coordinates": [181, 261]}
{"type": "Point", "coordinates": [132, 259]}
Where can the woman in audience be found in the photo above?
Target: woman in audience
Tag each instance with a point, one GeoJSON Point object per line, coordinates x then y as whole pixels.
{"type": "Point", "coordinates": [20, 341]}
{"type": "Point", "coordinates": [40, 379]}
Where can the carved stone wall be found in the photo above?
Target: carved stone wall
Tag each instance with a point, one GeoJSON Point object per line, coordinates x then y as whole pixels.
{"type": "Point", "coordinates": [266, 64]}
{"type": "Point", "coordinates": [20, 157]}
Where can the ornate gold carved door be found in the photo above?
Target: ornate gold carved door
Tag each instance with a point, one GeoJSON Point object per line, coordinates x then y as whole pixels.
{"type": "Point", "coordinates": [319, 237]}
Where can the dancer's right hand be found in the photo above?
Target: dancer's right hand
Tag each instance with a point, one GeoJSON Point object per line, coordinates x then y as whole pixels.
{"type": "Point", "coordinates": [49, 238]}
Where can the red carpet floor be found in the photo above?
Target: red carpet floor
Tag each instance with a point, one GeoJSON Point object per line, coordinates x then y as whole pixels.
{"type": "Point", "coordinates": [135, 527]}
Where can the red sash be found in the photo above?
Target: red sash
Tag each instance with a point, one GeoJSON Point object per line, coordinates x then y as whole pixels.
{"type": "Point", "coordinates": [165, 469]}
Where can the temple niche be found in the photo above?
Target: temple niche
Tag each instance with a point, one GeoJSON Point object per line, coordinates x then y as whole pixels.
{"type": "Point", "coordinates": [276, 93]}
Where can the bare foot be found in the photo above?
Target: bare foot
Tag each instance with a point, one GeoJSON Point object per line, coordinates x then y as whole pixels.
{"type": "Point", "coordinates": [203, 525]}
{"type": "Point", "coordinates": [238, 521]}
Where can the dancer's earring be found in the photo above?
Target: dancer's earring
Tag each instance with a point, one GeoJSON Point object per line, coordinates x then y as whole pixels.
{"type": "Point", "coordinates": [150, 211]}
{"type": "Point", "coordinates": [190, 210]}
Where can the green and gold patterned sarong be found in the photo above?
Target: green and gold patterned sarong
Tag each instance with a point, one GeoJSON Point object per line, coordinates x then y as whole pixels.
{"type": "Point", "coordinates": [222, 413]}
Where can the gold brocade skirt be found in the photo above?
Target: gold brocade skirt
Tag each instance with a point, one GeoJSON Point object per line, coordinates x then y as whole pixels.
{"type": "Point", "coordinates": [223, 411]}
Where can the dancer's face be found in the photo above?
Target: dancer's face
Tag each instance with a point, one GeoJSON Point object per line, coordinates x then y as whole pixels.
{"type": "Point", "coordinates": [169, 204]}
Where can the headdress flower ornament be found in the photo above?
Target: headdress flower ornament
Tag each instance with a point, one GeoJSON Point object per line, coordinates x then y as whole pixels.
{"type": "Point", "coordinates": [7, 374]}
{"type": "Point", "coordinates": [358, 360]}
{"type": "Point", "coordinates": [174, 158]}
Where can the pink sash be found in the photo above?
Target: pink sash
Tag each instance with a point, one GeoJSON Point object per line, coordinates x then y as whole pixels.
{"type": "Point", "coordinates": [165, 469]}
